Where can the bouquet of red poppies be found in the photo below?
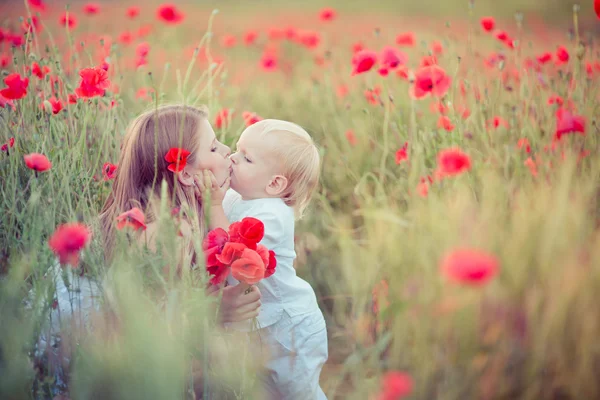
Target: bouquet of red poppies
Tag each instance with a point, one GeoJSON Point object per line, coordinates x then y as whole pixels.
{"type": "Point", "coordinates": [238, 252]}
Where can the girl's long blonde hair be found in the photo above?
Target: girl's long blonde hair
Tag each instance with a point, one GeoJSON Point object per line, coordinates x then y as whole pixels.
{"type": "Point", "coordinates": [142, 166]}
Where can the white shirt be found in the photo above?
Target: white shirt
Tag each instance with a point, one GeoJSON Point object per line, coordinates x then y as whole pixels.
{"type": "Point", "coordinates": [283, 290]}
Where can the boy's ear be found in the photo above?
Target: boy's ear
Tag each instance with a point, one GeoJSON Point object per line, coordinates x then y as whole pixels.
{"type": "Point", "coordinates": [277, 185]}
{"type": "Point", "coordinates": [185, 178]}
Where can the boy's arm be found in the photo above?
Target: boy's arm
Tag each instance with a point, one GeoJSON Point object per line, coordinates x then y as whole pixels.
{"type": "Point", "coordinates": [217, 217]}
{"type": "Point", "coordinates": [212, 198]}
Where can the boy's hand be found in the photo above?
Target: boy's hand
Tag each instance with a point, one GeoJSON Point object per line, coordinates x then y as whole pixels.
{"type": "Point", "coordinates": [207, 183]}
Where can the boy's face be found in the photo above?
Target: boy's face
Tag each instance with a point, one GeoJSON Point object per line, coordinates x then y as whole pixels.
{"type": "Point", "coordinates": [253, 165]}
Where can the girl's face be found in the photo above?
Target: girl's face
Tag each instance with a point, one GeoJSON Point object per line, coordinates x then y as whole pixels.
{"type": "Point", "coordinates": [212, 155]}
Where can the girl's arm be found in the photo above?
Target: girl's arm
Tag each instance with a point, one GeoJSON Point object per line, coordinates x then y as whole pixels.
{"type": "Point", "coordinates": [207, 187]}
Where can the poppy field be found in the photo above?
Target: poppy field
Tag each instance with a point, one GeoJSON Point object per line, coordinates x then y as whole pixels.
{"type": "Point", "coordinates": [453, 242]}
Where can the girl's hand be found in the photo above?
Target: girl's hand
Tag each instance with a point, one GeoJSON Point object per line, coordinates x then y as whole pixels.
{"type": "Point", "coordinates": [235, 305]}
{"type": "Point", "coordinates": [207, 183]}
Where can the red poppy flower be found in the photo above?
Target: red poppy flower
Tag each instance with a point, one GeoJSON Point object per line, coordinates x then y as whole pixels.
{"type": "Point", "coordinates": [68, 20]}
{"type": "Point", "coordinates": [231, 252]}
{"type": "Point", "coordinates": [402, 154]}
{"type": "Point", "coordinates": [271, 265]}
{"type": "Point", "coordinates": [524, 143]}
{"type": "Point", "coordinates": [327, 14]}
{"type": "Point", "coordinates": [17, 87]}
{"type": "Point", "coordinates": [497, 122]}
{"type": "Point", "coordinates": [4, 60]}
{"type": "Point", "coordinates": [568, 123]}
{"type": "Point", "coordinates": [248, 231]}
{"type": "Point", "coordinates": [356, 47]}
{"type": "Point", "coordinates": [67, 242]}
{"type": "Point", "coordinates": [37, 162]}
{"type": "Point", "coordinates": [444, 122]}
{"type": "Point", "coordinates": [222, 118]}
{"type": "Point", "coordinates": [555, 99]}
{"type": "Point", "coordinates": [94, 82]}
{"type": "Point", "coordinates": [373, 95]}
{"type": "Point", "coordinates": [169, 14]}
{"type": "Point", "coordinates": [250, 118]}
{"type": "Point", "coordinates": [544, 58]}
{"type": "Point", "coordinates": [133, 218]}
{"type": "Point", "coordinates": [72, 98]}
{"type": "Point", "coordinates": [469, 266]}
{"type": "Point", "coordinates": [91, 8]}
{"type": "Point", "coordinates": [56, 104]}
{"type": "Point", "coordinates": [363, 61]}
{"type": "Point", "coordinates": [392, 58]}
{"type": "Point", "coordinates": [37, 5]}
{"type": "Point", "coordinates": [142, 49]}
{"type": "Point", "coordinates": [529, 163]}
{"type": "Point", "coordinates": [426, 61]}
{"type": "Point", "coordinates": [125, 38]}
{"type": "Point", "coordinates": [132, 12]}
{"type": "Point", "coordinates": [215, 241]}
{"type": "Point", "coordinates": [351, 137]}
{"type": "Point", "coordinates": [395, 386]}
{"type": "Point", "coordinates": [249, 268]}
{"type": "Point", "coordinates": [488, 23]}
{"type": "Point", "coordinates": [177, 158]}
{"type": "Point", "coordinates": [33, 27]}
{"type": "Point", "coordinates": [597, 8]}
{"type": "Point", "coordinates": [109, 171]}
{"type": "Point", "coordinates": [38, 71]}
{"type": "Point", "coordinates": [430, 80]}
{"type": "Point", "coordinates": [562, 54]}
{"type": "Point", "coordinates": [268, 61]}
{"type": "Point", "coordinates": [310, 39]}
{"type": "Point", "coordinates": [250, 37]}
{"type": "Point", "coordinates": [437, 47]}
{"type": "Point", "coordinates": [406, 39]}
{"type": "Point", "coordinates": [453, 162]}
{"type": "Point", "coordinates": [9, 145]}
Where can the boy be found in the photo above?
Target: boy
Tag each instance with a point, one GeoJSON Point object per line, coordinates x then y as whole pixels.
{"type": "Point", "coordinates": [274, 173]}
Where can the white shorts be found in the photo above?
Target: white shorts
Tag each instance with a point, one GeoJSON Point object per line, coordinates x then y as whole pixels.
{"type": "Point", "coordinates": [296, 349]}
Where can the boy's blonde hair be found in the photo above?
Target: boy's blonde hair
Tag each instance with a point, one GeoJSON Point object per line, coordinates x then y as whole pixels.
{"type": "Point", "coordinates": [299, 159]}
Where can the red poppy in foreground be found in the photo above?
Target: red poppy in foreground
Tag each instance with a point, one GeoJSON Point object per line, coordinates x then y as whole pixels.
{"type": "Point", "coordinates": [109, 171]}
{"type": "Point", "coordinates": [568, 123]}
{"type": "Point", "coordinates": [452, 162]}
{"type": "Point", "coordinates": [469, 266]}
{"type": "Point", "coordinates": [133, 218]}
{"type": "Point", "coordinates": [177, 158]}
{"type": "Point", "coordinates": [597, 8]}
{"type": "Point", "coordinates": [363, 61]}
{"type": "Point", "coordinates": [431, 79]}
{"type": "Point", "coordinates": [395, 386]}
{"type": "Point", "coordinates": [249, 268]}
{"type": "Point", "coordinates": [67, 242]}
{"type": "Point", "coordinates": [169, 14]}
{"type": "Point", "coordinates": [94, 82]}
{"type": "Point", "coordinates": [37, 162]}
{"type": "Point", "coordinates": [17, 87]}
